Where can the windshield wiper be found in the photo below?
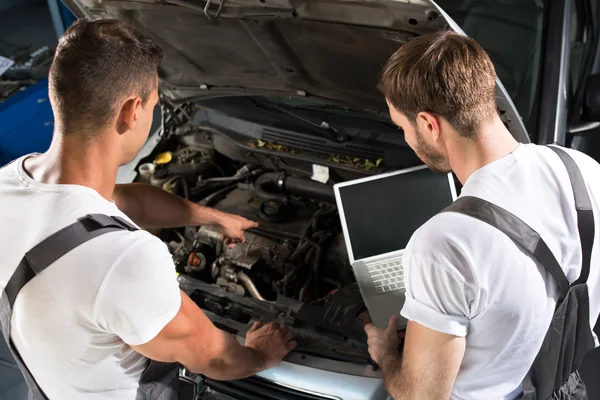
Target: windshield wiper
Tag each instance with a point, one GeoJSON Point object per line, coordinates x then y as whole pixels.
{"type": "Point", "coordinates": [371, 115]}
{"type": "Point", "coordinates": [324, 126]}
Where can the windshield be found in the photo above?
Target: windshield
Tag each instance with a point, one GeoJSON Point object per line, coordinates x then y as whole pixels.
{"type": "Point", "coordinates": [511, 32]}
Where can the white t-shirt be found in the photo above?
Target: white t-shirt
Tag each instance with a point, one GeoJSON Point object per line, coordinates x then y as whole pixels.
{"type": "Point", "coordinates": [73, 322]}
{"type": "Point", "coordinates": [466, 278]}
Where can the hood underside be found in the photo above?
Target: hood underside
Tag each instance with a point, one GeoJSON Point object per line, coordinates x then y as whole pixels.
{"type": "Point", "coordinates": [331, 49]}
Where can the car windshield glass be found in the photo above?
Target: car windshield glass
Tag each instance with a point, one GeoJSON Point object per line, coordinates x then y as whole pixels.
{"type": "Point", "coordinates": [511, 31]}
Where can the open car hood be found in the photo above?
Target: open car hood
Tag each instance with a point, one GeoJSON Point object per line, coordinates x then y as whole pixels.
{"type": "Point", "coordinates": [330, 49]}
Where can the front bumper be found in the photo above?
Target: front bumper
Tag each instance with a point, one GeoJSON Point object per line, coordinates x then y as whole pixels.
{"type": "Point", "coordinates": [290, 381]}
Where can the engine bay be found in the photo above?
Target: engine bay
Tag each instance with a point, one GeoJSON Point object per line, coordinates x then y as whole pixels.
{"type": "Point", "coordinates": [292, 268]}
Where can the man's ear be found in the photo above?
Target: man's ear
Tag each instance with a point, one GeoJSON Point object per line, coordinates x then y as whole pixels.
{"type": "Point", "coordinates": [129, 114]}
{"type": "Point", "coordinates": [429, 123]}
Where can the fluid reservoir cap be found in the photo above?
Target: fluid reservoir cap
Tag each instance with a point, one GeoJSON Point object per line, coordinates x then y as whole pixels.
{"type": "Point", "coordinates": [273, 210]}
{"type": "Point", "coordinates": [163, 158]}
{"type": "Point", "coordinates": [272, 207]}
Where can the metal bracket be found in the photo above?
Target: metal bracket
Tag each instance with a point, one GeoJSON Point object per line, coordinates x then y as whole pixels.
{"type": "Point", "coordinates": [217, 14]}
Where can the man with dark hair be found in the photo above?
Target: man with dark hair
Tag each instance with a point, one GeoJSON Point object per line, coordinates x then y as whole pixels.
{"type": "Point", "coordinates": [95, 64]}
{"type": "Point", "coordinates": [502, 289]}
{"type": "Point", "coordinates": [87, 326]}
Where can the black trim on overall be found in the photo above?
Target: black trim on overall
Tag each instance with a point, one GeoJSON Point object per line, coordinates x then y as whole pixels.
{"type": "Point", "coordinates": [159, 381]}
{"type": "Point", "coordinates": [553, 374]}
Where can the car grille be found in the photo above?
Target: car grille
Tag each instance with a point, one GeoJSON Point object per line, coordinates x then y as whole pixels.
{"type": "Point", "coordinates": [259, 389]}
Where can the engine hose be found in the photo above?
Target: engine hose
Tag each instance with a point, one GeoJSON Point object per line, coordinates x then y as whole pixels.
{"type": "Point", "coordinates": [316, 249]}
{"type": "Point", "coordinates": [249, 285]}
{"type": "Point", "coordinates": [269, 181]}
{"type": "Point", "coordinates": [293, 258]}
{"type": "Point", "coordinates": [216, 196]}
{"type": "Point", "coordinates": [312, 223]}
{"type": "Point", "coordinates": [321, 215]}
{"type": "Point", "coordinates": [299, 251]}
{"type": "Point", "coordinates": [234, 178]}
{"type": "Point", "coordinates": [313, 274]}
{"type": "Point", "coordinates": [309, 278]}
{"type": "Point", "coordinates": [304, 187]}
{"type": "Point", "coordinates": [263, 230]}
{"type": "Point", "coordinates": [267, 185]}
{"type": "Point", "coordinates": [184, 186]}
{"type": "Point", "coordinates": [277, 234]}
{"type": "Point", "coordinates": [317, 263]}
{"type": "Point", "coordinates": [288, 277]}
{"type": "Point", "coordinates": [316, 272]}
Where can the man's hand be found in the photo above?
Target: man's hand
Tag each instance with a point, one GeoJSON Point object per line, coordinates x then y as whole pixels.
{"type": "Point", "coordinates": [383, 343]}
{"type": "Point", "coordinates": [233, 227]}
{"type": "Point", "coordinates": [192, 340]}
{"type": "Point", "coordinates": [429, 364]}
{"type": "Point", "coordinates": [271, 342]}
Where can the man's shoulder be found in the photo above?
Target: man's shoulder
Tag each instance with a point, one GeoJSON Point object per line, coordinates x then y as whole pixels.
{"type": "Point", "coordinates": [586, 163]}
{"type": "Point", "coordinates": [453, 241]}
{"type": "Point", "coordinates": [119, 255]}
{"type": "Point", "coordinates": [588, 166]}
{"type": "Point", "coordinates": [445, 229]}
{"type": "Point", "coordinates": [125, 246]}
{"type": "Point", "coordinates": [9, 173]}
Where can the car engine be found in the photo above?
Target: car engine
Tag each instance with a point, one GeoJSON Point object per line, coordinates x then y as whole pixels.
{"type": "Point", "coordinates": [293, 267]}
{"type": "Point", "coordinates": [298, 235]}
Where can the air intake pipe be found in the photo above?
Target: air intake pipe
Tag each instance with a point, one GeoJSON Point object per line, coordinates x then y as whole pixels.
{"type": "Point", "coordinates": [277, 186]}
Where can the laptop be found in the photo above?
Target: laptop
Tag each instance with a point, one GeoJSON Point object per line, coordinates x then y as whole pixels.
{"type": "Point", "coordinates": [379, 214]}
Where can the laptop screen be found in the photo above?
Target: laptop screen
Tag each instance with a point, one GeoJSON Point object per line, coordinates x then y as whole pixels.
{"type": "Point", "coordinates": [382, 214]}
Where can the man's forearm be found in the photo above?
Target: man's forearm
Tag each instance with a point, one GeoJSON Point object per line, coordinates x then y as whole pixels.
{"type": "Point", "coordinates": [392, 375]}
{"type": "Point", "coordinates": [152, 207]}
{"type": "Point", "coordinates": [235, 362]}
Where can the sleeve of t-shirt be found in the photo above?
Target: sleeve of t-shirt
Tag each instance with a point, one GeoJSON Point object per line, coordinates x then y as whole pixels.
{"type": "Point", "coordinates": [140, 294]}
{"type": "Point", "coordinates": [436, 295]}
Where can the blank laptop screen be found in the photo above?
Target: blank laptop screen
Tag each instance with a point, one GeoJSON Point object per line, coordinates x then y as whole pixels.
{"type": "Point", "coordinates": [382, 214]}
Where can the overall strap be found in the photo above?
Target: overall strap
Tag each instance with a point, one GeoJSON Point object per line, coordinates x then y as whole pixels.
{"type": "Point", "coordinates": [513, 227]}
{"type": "Point", "coordinates": [585, 212]}
{"type": "Point", "coordinates": [38, 259]}
{"type": "Point", "coordinates": [529, 239]}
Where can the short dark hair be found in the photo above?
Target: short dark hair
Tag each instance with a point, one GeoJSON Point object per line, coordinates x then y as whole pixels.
{"type": "Point", "coordinates": [96, 65]}
{"type": "Point", "coordinates": [444, 73]}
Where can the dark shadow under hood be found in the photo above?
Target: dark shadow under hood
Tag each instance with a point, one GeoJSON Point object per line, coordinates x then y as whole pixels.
{"type": "Point", "coordinates": [330, 49]}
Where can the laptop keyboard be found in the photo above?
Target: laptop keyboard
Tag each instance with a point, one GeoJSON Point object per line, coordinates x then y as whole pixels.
{"type": "Point", "coordinates": [387, 275]}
